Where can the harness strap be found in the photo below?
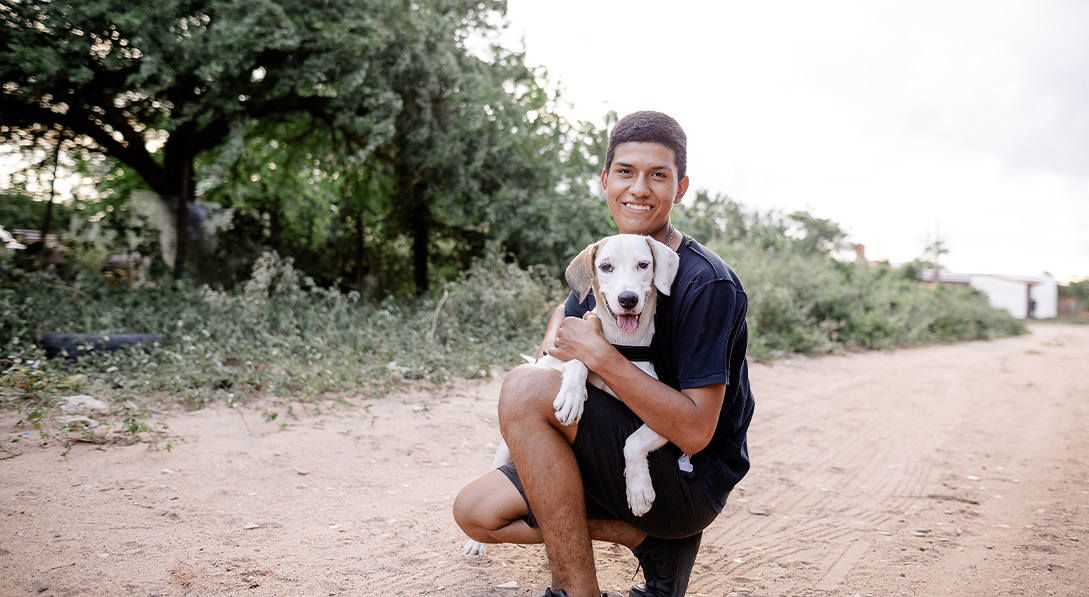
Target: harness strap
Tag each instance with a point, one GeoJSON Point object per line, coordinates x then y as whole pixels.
{"type": "Point", "coordinates": [635, 353]}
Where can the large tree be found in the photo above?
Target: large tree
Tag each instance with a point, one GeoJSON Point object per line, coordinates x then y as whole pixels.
{"type": "Point", "coordinates": [478, 153]}
{"type": "Point", "coordinates": [446, 140]}
{"type": "Point", "coordinates": [154, 85]}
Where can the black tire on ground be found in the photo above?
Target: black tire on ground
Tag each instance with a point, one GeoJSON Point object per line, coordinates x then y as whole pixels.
{"type": "Point", "coordinates": [77, 345]}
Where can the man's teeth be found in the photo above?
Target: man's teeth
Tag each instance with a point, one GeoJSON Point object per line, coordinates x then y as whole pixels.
{"type": "Point", "coordinates": [638, 207]}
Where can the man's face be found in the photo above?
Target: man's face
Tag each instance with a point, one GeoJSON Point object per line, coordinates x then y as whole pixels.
{"type": "Point", "coordinates": [641, 187]}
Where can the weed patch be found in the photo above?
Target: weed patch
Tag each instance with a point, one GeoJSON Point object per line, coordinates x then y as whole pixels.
{"type": "Point", "coordinates": [278, 336]}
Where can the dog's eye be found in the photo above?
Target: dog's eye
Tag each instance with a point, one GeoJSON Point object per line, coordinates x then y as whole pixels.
{"type": "Point", "coordinates": [643, 264]}
{"type": "Point", "coordinates": [605, 267]}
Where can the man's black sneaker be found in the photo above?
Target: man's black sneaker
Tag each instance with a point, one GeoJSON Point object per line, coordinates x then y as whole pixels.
{"type": "Point", "coordinates": [560, 593]}
{"type": "Point", "coordinates": [667, 566]}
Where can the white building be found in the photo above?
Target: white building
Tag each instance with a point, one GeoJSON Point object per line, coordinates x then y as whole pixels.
{"type": "Point", "coordinates": [1016, 294]}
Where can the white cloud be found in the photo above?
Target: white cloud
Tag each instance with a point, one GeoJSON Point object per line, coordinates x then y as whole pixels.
{"type": "Point", "coordinates": [892, 119]}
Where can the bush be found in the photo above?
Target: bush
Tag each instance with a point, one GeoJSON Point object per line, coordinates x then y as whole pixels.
{"type": "Point", "coordinates": [280, 334]}
{"type": "Point", "coordinates": [812, 304]}
{"type": "Point", "coordinates": [277, 335]}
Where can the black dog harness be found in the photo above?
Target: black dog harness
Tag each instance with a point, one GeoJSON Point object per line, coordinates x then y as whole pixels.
{"type": "Point", "coordinates": [635, 353]}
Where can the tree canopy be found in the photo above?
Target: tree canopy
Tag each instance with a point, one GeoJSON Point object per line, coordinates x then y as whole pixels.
{"type": "Point", "coordinates": [377, 112]}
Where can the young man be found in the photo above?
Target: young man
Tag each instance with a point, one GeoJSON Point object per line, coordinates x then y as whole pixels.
{"type": "Point", "coordinates": [566, 486]}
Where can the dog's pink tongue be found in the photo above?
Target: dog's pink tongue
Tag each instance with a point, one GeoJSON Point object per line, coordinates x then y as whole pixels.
{"type": "Point", "coordinates": [627, 323]}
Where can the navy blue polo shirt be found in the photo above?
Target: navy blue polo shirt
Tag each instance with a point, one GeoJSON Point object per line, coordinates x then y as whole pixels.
{"type": "Point", "coordinates": [700, 339]}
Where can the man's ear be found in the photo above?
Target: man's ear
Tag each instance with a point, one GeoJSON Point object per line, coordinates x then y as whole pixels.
{"type": "Point", "coordinates": [682, 188]}
{"type": "Point", "coordinates": [666, 262]}
{"type": "Point", "coordinates": [580, 274]}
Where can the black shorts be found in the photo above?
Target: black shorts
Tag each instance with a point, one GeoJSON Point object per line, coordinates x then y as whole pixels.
{"type": "Point", "coordinates": [680, 506]}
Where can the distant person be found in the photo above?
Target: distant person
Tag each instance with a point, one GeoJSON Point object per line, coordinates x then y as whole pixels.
{"type": "Point", "coordinates": [566, 486]}
{"type": "Point", "coordinates": [1031, 308]}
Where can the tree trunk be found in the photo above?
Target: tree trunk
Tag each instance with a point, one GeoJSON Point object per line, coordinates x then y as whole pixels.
{"type": "Point", "coordinates": [275, 226]}
{"type": "Point", "coordinates": [359, 249]}
{"type": "Point", "coordinates": [47, 223]}
{"type": "Point", "coordinates": [178, 189]}
{"type": "Point", "coordinates": [178, 195]}
{"type": "Point", "coordinates": [184, 198]}
{"type": "Point", "coordinates": [421, 236]}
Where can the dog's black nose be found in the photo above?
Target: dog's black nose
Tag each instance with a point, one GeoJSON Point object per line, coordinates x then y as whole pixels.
{"type": "Point", "coordinates": [628, 299]}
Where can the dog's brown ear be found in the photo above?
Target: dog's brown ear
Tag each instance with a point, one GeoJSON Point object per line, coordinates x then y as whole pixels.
{"type": "Point", "coordinates": [580, 274]}
{"type": "Point", "coordinates": [666, 262]}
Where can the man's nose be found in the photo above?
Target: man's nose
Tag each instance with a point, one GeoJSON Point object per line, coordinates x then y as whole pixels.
{"type": "Point", "coordinates": [640, 187]}
{"type": "Point", "coordinates": [628, 299]}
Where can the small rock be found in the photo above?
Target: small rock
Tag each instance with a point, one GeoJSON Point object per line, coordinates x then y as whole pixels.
{"type": "Point", "coordinates": [249, 526]}
{"type": "Point", "coordinates": [72, 420]}
{"type": "Point", "coordinates": [302, 472]}
{"type": "Point", "coordinates": [759, 511]}
{"type": "Point", "coordinates": [73, 380]}
{"type": "Point", "coordinates": [508, 585]}
{"type": "Point", "coordinates": [82, 403]}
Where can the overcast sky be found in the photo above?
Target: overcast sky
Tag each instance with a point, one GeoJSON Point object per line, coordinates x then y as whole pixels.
{"type": "Point", "coordinates": [901, 121]}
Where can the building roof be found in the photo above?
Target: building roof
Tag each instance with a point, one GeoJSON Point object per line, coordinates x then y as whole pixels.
{"type": "Point", "coordinates": [927, 275]}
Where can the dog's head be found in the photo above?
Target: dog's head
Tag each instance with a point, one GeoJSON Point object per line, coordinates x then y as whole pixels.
{"type": "Point", "coordinates": [624, 270]}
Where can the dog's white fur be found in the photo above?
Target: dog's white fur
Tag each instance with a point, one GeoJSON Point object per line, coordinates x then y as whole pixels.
{"type": "Point", "coordinates": [631, 267]}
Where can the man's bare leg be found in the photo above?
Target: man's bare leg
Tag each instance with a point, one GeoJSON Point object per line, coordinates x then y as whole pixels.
{"type": "Point", "coordinates": [491, 510]}
{"type": "Point", "coordinates": [541, 449]}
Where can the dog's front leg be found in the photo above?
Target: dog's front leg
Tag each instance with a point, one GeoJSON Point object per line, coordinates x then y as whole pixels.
{"type": "Point", "coordinates": [570, 399]}
{"type": "Point", "coordinates": [502, 455]}
{"type": "Point", "coordinates": [637, 470]}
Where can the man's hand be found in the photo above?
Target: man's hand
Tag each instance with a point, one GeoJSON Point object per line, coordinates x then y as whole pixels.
{"type": "Point", "coordinates": [581, 339]}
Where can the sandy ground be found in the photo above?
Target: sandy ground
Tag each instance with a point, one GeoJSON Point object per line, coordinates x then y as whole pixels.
{"type": "Point", "coordinates": [952, 470]}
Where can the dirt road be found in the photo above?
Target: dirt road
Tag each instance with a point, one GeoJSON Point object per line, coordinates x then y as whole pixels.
{"type": "Point", "coordinates": [952, 470]}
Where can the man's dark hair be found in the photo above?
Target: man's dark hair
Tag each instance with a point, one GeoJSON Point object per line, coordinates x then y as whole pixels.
{"type": "Point", "coordinates": [650, 127]}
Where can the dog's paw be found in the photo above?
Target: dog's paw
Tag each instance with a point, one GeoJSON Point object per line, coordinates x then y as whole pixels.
{"type": "Point", "coordinates": [639, 488]}
{"type": "Point", "coordinates": [569, 404]}
{"type": "Point", "coordinates": [473, 548]}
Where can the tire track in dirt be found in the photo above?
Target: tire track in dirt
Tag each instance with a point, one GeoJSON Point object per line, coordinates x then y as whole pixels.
{"type": "Point", "coordinates": [835, 471]}
{"type": "Point", "coordinates": [945, 470]}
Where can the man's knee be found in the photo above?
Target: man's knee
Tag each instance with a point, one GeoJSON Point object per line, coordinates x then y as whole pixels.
{"type": "Point", "coordinates": [528, 391]}
{"type": "Point", "coordinates": [466, 514]}
{"type": "Point", "coordinates": [486, 506]}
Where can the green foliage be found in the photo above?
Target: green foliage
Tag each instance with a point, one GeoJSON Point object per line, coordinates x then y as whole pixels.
{"type": "Point", "coordinates": [1078, 290]}
{"type": "Point", "coordinates": [277, 335]}
{"type": "Point", "coordinates": [362, 138]}
{"type": "Point", "coordinates": [802, 300]}
{"type": "Point", "coordinates": [281, 334]}
{"type": "Point", "coordinates": [20, 211]}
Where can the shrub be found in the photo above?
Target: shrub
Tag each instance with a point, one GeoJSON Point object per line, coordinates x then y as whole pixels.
{"type": "Point", "coordinates": [812, 304]}
{"type": "Point", "coordinates": [277, 335]}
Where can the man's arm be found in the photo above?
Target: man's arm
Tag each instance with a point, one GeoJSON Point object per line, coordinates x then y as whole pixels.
{"type": "Point", "coordinates": [687, 418]}
{"type": "Point", "coordinates": [553, 328]}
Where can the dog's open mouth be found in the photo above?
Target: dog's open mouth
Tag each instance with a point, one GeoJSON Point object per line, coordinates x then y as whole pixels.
{"type": "Point", "coordinates": [627, 322]}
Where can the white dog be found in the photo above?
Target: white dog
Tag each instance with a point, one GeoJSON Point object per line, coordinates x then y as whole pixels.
{"type": "Point", "coordinates": [623, 271]}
